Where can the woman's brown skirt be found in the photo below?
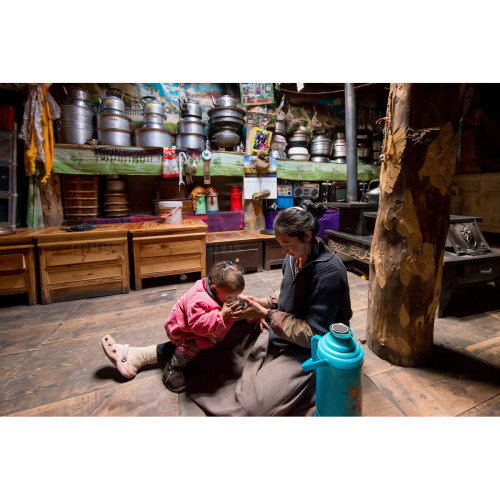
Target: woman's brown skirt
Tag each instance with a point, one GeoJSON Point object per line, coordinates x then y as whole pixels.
{"type": "Point", "coordinates": [243, 375]}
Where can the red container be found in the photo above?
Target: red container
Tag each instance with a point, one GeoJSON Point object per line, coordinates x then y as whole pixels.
{"type": "Point", "coordinates": [6, 117]}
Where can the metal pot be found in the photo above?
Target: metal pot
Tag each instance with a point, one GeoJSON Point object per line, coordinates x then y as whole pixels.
{"type": "Point", "coordinates": [364, 152]}
{"type": "Point", "coordinates": [114, 137]}
{"type": "Point", "coordinates": [228, 111]}
{"type": "Point", "coordinates": [113, 120]}
{"type": "Point", "coordinates": [224, 101]}
{"type": "Point", "coordinates": [77, 94]}
{"type": "Point", "coordinates": [191, 125]}
{"type": "Point", "coordinates": [321, 146]}
{"type": "Point", "coordinates": [190, 108]}
{"type": "Point", "coordinates": [112, 102]}
{"type": "Point", "coordinates": [299, 136]}
{"type": "Point", "coordinates": [81, 114]}
{"type": "Point", "coordinates": [373, 195]}
{"type": "Point", "coordinates": [320, 159]}
{"type": "Point", "coordinates": [153, 118]}
{"type": "Point", "coordinates": [190, 141]}
{"type": "Point", "coordinates": [339, 149]}
{"type": "Point", "coordinates": [226, 138]}
{"type": "Point", "coordinates": [339, 135]}
{"type": "Point", "coordinates": [280, 128]}
{"type": "Point", "coordinates": [73, 134]}
{"type": "Point", "coordinates": [222, 121]}
{"type": "Point", "coordinates": [148, 137]}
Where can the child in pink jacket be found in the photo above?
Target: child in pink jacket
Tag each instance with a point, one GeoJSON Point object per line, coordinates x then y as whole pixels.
{"type": "Point", "coordinates": [199, 319]}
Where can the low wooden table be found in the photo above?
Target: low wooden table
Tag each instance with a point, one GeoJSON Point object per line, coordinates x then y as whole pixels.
{"type": "Point", "coordinates": [82, 264]}
{"type": "Point", "coordinates": [243, 247]}
{"type": "Point", "coordinates": [17, 264]}
{"type": "Point", "coordinates": [161, 249]}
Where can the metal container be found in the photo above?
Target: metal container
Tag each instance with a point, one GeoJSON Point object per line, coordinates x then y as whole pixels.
{"type": "Point", "coordinates": [364, 152]}
{"type": "Point", "coordinates": [299, 135]}
{"type": "Point", "coordinates": [339, 149]}
{"type": "Point", "coordinates": [190, 141]}
{"type": "Point", "coordinates": [228, 111]}
{"type": "Point", "coordinates": [75, 125]}
{"type": "Point", "coordinates": [223, 121]}
{"type": "Point", "coordinates": [190, 108]}
{"type": "Point", "coordinates": [321, 145]}
{"type": "Point", "coordinates": [112, 102]}
{"type": "Point", "coordinates": [151, 105]}
{"type": "Point", "coordinates": [113, 120]}
{"type": "Point", "coordinates": [191, 125]}
{"type": "Point", "coordinates": [148, 137]}
{"type": "Point", "coordinates": [114, 137]}
{"type": "Point", "coordinates": [224, 101]}
{"type": "Point", "coordinates": [280, 128]}
{"type": "Point", "coordinates": [73, 134]}
{"type": "Point", "coordinates": [226, 138]}
{"type": "Point", "coordinates": [320, 159]}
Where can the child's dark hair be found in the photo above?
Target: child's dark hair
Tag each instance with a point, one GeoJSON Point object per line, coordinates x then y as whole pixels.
{"type": "Point", "coordinates": [227, 274]}
{"type": "Point", "coordinates": [295, 221]}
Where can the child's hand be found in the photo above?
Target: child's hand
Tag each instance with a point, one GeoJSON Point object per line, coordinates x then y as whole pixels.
{"type": "Point", "coordinates": [231, 311]}
{"type": "Point", "coordinates": [262, 325]}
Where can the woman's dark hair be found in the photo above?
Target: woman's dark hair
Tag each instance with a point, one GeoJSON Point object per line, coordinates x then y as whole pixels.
{"type": "Point", "coordinates": [228, 275]}
{"type": "Point", "coordinates": [295, 221]}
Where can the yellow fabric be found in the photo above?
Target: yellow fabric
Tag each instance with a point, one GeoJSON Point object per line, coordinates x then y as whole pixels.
{"type": "Point", "coordinates": [31, 153]}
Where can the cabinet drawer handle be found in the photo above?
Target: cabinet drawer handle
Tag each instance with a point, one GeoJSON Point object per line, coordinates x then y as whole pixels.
{"type": "Point", "coordinates": [486, 271]}
{"type": "Point", "coordinates": [85, 254]}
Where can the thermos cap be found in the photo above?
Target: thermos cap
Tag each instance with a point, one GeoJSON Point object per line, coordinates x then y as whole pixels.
{"type": "Point", "coordinates": [340, 331]}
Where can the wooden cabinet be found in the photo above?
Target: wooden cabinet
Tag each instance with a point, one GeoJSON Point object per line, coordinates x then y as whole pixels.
{"type": "Point", "coordinates": [17, 264]}
{"type": "Point", "coordinates": [78, 265]}
{"type": "Point", "coordinates": [243, 247]}
{"type": "Point", "coordinates": [161, 249]}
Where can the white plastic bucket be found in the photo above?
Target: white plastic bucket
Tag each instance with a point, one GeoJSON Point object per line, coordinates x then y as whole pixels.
{"type": "Point", "coordinates": [170, 211]}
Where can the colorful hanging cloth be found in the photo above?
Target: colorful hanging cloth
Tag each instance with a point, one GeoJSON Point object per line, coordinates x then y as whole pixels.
{"type": "Point", "coordinates": [37, 130]}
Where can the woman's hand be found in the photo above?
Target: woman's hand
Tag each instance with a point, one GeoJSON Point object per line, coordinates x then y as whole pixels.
{"type": "Point", "coordinates": [260, 300]}
{"type": "Point", "coordinates": [253, 309]}
{"type": "Point", "coordinates": [231, 311]}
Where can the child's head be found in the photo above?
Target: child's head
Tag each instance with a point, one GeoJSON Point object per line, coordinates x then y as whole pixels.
{"type": "Point", "coordinates": [226, 281]}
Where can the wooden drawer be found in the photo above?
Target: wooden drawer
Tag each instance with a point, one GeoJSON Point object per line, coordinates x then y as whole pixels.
{"type": "Point", "coordinates": [84, 273]}
{"type": "Point", "coordinates": [481, 272]}
{"type": "Point", "coordinates": [12, 262]}
{"type": "Point", "coordinates": [171, 265]}
{"type": "Point", "coordinates": [249, 255]}
{"type": "Point", "coordinates": [9, 284]}
{"type": "Point", "coordinates": [162, 249]}
{"type": "Point", "coordinates": [82, 253]}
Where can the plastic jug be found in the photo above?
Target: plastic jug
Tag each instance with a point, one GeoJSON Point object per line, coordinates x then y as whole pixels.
{"type": "Point", "coordinates": [201, 204]}
{"type": "Point", "coordinates": [337, 361]}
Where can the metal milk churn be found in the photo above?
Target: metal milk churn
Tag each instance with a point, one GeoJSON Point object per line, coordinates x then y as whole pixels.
{"type": "Point", "coordinates": [212, 201]}
{"type": "Point", "coordinates": [337, 361]}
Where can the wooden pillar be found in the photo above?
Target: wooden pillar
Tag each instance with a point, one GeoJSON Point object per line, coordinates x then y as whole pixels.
{"type": "Point", "coordinates": [406, 258]}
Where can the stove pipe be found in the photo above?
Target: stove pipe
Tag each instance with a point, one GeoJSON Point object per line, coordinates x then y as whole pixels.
{"type": "Point", "coordinates": [351, 140]}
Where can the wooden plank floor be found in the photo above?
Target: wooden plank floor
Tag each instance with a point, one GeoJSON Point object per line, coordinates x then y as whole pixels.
{"type": "Point", "coordinates": [52, 364]}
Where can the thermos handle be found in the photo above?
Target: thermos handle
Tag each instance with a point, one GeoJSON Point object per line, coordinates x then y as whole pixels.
{"type": "Point", "coordinates": [314, 347]}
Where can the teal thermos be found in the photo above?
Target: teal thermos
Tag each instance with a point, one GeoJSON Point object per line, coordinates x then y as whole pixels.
{"type": "Point", "coordinates": [337, 361]}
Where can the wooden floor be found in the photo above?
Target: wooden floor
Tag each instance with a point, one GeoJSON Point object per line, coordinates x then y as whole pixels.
{"type": "Point", "coordinates": [52, 364]}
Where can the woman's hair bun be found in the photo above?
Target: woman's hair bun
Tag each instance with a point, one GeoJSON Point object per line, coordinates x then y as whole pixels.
{"type": "Point", "coordinates": [317, 211]}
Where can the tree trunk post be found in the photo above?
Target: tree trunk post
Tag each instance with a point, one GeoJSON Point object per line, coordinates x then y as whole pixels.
{"type": "Point", "coordinates": [406, 258]}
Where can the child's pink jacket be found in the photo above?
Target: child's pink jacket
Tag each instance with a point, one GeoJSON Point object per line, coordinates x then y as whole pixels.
{"type": "Point", "coordinates": [197, 316]}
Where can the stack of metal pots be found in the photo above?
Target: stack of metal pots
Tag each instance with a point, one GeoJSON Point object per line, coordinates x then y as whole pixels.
{"type": "Point", "coordinates": [364, 144]}
{"type": "Point", "coordinates": [226, 122]}
{"type": "Point", "coordinates": [339, 147]}
{"type": "Point", "coordinates": [191, 128]}
{"type": "Point", "coordinates": [278, 142]}
{"type": "Point", "coordinates": [152, 134]}
{"type": "Point", "coordinates": [75, 125]}
{"type": "Point", "coordinates": [113, 126]}
{"type": "Point", "coordinates": [321, 148]}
